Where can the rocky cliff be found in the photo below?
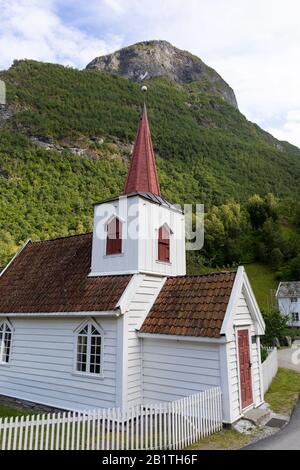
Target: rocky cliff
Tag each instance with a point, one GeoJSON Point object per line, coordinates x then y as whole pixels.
{"type": "Point", "coordinates": [152, 59]}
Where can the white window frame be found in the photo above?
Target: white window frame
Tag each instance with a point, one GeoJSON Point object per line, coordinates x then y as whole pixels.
{"type": "Point", "coordinates": [294, 319]}
{"type": "Point", "coordinates": [8, 325]}
{"type": "Point", "coordinates": [294, 300]}
{"type": "Point", "coordinates": [88, 374]}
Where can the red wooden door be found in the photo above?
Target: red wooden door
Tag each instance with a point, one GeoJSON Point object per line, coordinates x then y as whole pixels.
{"type": "Point", "coordinates": [245, 368]}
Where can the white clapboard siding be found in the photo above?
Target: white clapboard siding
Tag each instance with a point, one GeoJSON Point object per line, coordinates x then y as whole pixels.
{"type": "Point", "coordinates": [162, 426]}
{"type": "Point", "coordinates": [172, 369]}
{"type": "Point", "coordinates": [140, 254]}
{"type": "Point", "coordinates": [287, 308]}
{"type": "Point", "coordinates": [41, 367]}
{"type": "Point", "coordinates": [243, 319]}
{"type": "Point", "coordinates": [139, 307]}
{"type": "Point", "coordinates": [152, 217]}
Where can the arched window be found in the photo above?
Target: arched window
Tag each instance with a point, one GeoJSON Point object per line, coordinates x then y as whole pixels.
{"type": "Point", "coordinates": [89, 349]}
{"type": "Point", "coordinates": [114, 237]}
{"type": "Point", "coordinates": [164, 244]}
{"type": "Point", "coordinates": [5, 342]}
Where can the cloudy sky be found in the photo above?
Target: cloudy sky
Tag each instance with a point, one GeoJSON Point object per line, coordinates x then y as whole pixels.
{"type": "Point", "coordinates": [253, 44]}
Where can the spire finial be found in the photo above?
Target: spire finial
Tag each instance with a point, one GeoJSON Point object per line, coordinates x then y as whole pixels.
{"type": "Point", "coordinates": [144, 90]}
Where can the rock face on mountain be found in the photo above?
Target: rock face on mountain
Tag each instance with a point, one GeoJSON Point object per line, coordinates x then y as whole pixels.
{"type": "Point", "coordinates": [151, 59]}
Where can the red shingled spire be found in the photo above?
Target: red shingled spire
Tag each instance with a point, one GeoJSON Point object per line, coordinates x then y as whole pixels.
{"type": "Point", "coordinates": [142, 176]}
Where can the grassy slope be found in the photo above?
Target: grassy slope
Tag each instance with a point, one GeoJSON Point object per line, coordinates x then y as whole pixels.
{"type": "Point", "coordinates": [226, 439]}
{"type": "Point", "coordinates": [263, 281]}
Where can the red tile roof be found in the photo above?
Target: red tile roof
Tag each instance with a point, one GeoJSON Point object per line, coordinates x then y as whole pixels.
{"type": "Point", "coordinates": [191, 306]}
{"type": "Point", "coordinates": [142, 175]}
{"type": "Point", "coordinates": [52, 276]}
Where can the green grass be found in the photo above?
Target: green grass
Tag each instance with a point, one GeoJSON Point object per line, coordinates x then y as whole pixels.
{"type": "Point", "coordinates": [263, 281]}
{"type": "Point", "coordinates": [226, 439]}
{"type": "Point", "coordinates": [284, 391]}
{"type": "Point", "coordinates": [11, 411]}
{"type": "Point", "coordinates": [281, 396]}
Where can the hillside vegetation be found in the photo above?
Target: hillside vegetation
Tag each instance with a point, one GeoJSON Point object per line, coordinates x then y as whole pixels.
{"type": "Point", "coordinates": [67, 144]}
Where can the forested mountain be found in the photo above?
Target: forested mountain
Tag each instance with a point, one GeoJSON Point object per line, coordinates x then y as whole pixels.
{"type": "Point", "coordinates": [66, 138]}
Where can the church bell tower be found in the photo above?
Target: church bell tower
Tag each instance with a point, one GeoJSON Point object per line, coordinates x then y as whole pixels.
{"type": "Point", "coordinates": [139, 231]}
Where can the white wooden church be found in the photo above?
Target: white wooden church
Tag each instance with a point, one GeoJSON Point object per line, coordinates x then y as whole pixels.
{"type": "Point", "coordinates": [93, 321]}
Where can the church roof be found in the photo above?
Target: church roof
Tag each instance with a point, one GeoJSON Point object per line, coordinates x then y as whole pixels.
{"type": "Point", "coordinates": [191, 306]}
{"type": "Point", "coordinates": [142, 175]}
{"type": "Point", "coordinates": [149, 197]}
{"type": "Point", "coordinates": [53, 276]}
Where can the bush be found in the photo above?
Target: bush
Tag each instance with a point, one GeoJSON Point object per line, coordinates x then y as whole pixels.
{"type": "Point", "coordinates": [276, 327]}
{"type": "Point", "coordinates": [263, 353]}
{"type": "Point", "coordinates": [294, 333]}
{"type": "Point", "coordinates": [276, 258]}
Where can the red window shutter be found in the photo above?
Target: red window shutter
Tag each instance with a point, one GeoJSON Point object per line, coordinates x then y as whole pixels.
{"type": "Point", "coordinates": [114, 237]}
{"type": "Point", "coordinates": [163, 245]}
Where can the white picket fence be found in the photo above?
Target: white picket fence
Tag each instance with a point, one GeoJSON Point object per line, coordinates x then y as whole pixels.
{"type": "Point", "coordinates": [269, 368]}
{"type": "Point", "coordinates": [163, 426]}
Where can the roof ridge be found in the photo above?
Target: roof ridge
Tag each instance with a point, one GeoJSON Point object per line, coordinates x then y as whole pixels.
{"type": "Point", "coordinates": [214, 273]}
{"type": "Point", "coordinates": [49, 240]}
{"type": "Point", "coordinates": [290, 282]}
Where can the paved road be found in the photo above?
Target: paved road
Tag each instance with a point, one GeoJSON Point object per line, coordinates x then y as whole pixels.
{"type": "Point", "coordinates": [286, 439]}
{"type": "Point", "coordinates": [290, 358]}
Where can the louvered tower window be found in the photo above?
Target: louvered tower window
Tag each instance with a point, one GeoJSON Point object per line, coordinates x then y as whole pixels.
{"type": "Point", "coordinates": [164, 244]}
{"type": "Point", "coordinates": [114, 237]}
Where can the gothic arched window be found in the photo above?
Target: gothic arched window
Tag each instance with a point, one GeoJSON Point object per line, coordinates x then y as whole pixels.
{"type": "Point", "coordinates": [5, 342]}
{"type": "Point", "coordinates": [89, 349]}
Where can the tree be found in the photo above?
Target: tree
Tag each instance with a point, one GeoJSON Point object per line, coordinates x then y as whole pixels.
{"type": "Point", "coordinates": [224, 226]}
{"type": "Point", "coordinates": [276, 258]}
{"type": "Point", "coordinates": [291, 272]}
{"type": "Point", "coordinates": [260, 209]}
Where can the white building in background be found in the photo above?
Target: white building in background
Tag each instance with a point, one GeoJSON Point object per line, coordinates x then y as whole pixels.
{"type": "Point", "coordinates": [288, 296]}
{"type": "Point", "coordinates": [105, 320]}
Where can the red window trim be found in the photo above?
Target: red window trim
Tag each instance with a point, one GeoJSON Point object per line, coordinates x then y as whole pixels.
{"type": "Point", "coordinates": [114, 237]}
{"type": "Point", "coordinates": [164, 244]}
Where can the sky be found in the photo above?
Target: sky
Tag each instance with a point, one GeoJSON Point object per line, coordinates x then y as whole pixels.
{"type": "Point", "coordinates": [253, 44]}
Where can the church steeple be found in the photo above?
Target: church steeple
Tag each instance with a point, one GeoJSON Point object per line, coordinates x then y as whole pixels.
{"type": "Point", "coordinates": [142, 176]}
{"type": "Point", "coordinates": [140, 232]}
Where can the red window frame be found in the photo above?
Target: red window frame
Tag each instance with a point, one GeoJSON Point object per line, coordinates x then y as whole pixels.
{"type": "Point", "coordinates": [164, 245]}
{"type": "Point", "coordinates": [114, 237]}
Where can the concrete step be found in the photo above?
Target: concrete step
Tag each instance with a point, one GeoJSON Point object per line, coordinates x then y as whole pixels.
{"type": "Point", "coordinates": [259, 416]}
